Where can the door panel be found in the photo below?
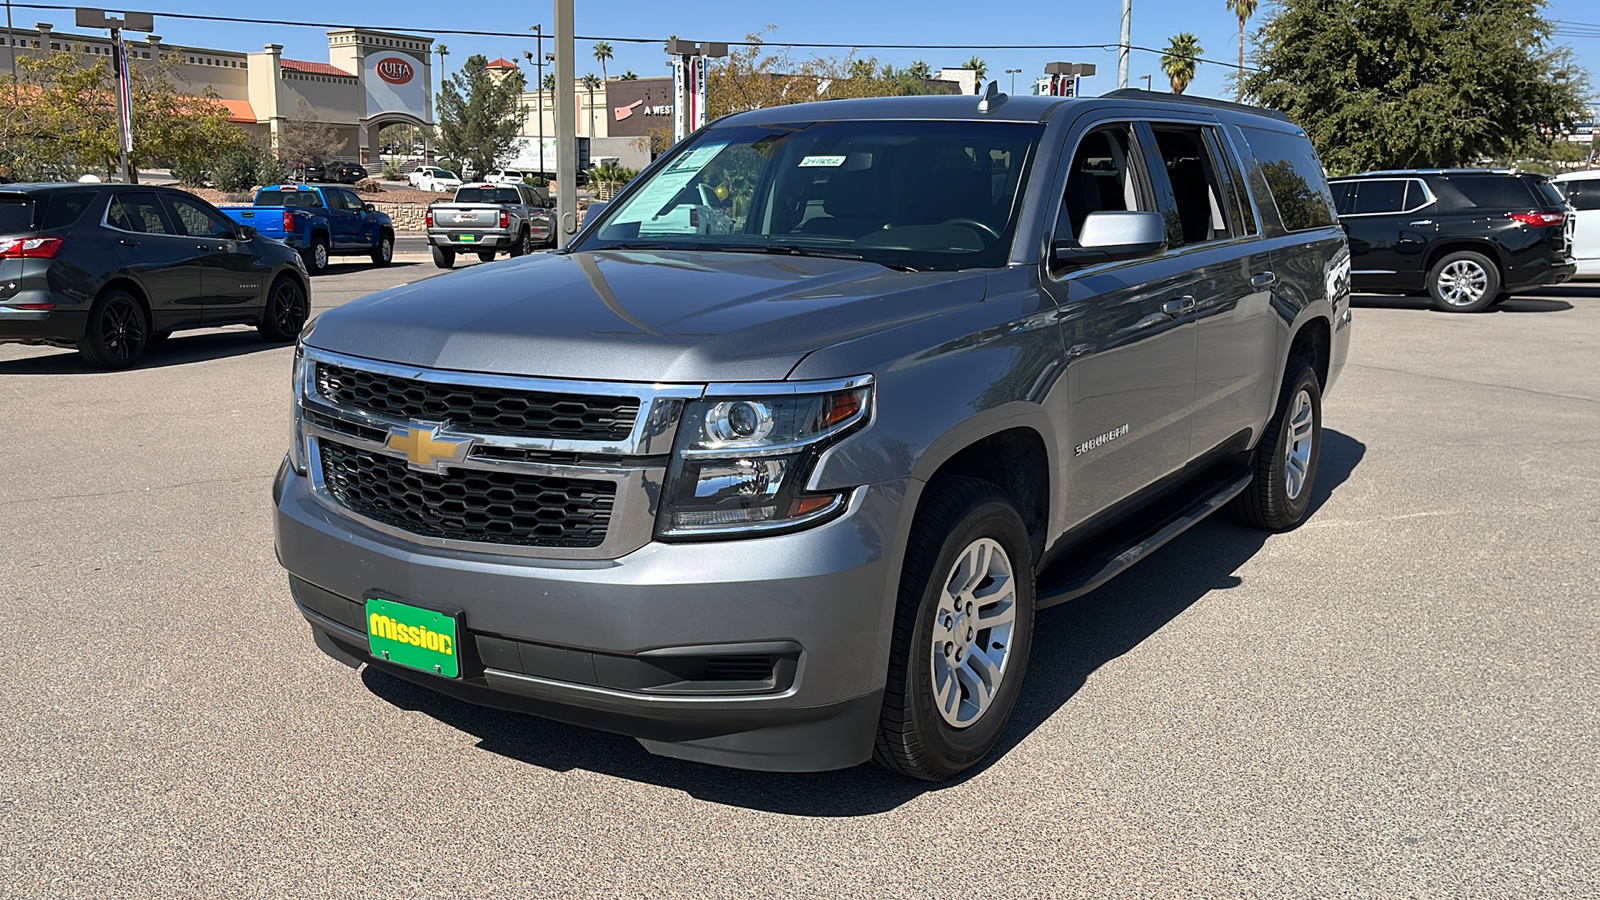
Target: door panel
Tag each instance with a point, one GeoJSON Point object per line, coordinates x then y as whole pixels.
{"type": "Point", "coordinates": [349, 221]}
{"type": "Point", "coordinates": [229, 279]}
{"type": "Point", "coordinates": [164, 262]}
{"type": "Point", "coordinates": [1130, 362]}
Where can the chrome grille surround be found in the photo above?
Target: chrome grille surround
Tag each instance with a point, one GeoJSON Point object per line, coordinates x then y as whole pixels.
{"type": "Point", "coordinates": [633, 465]}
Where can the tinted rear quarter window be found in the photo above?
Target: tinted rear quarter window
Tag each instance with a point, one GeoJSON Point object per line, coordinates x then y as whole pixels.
{"type": "Point", "coordinates": [65, 208]}
{"type": "Point", "coordinates": [16, 213]}
{"type": "Point", "coordinates": [1381, 196]}
{"type": "Point", "coordinates": [1294, 176]}
{"type": "Point", "coordinates": [1496, 191]}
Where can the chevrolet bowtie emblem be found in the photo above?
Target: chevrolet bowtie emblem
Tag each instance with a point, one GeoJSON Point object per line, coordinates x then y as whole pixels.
{"type": "Point", "coordinates": [424, 448]}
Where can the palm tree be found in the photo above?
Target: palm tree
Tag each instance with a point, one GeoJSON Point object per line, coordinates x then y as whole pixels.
{"type": "Point", "coordinates": [550, 82]}
{"type": "Point", "coordinates": [1244, 9]}
{"type": "Point", "coordinates": [629, 75]}
{"type": "Point", "coordinates": [602, 52]}
{"type": "Point", "coordinates": [979, 69]}
{"type": "Point", "coordinates": [591, 82]}
{"type": "Point", "coordinates": [443, 51]}
{"type": "Point", "coordinates": [1180, 58]}
{"type": "Point", "coordinates": [921, 69]}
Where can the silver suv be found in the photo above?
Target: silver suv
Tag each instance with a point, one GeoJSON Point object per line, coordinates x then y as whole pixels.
{"type": "Point", "coordinates": [775, 464]}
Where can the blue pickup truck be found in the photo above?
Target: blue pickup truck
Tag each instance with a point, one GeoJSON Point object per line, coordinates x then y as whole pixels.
{"type": "Point", "coordinates": [321, 221]}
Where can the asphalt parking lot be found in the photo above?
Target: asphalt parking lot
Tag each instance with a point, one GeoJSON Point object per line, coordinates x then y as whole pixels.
{"type": "Point", "coordinates": [1400, 699]}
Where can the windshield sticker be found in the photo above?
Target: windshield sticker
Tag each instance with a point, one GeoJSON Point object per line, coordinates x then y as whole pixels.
{"type": "Point", "coordinates": [830, 162]}
{"type": "Point", "coordinates": [696, 159]}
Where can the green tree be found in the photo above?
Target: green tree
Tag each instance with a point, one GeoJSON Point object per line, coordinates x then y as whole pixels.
{"type": "Point", "coordinates": [1180, 59]}
{"type": "Point", "coordinates": [550, 83]}
{"type": "Point", "coordinates": [1244, 9]}
{"type": "Point", "coordinates": [602, 54]}
{"type": "Point", "coordinates": [443, 50]}
{"type": "Point", "coordinates": [1410, 83]}
{"type": "Point", "coordinates": [478, 118]}
{"type": "Point", "coordinates": [629, 75]}
{"type": "Point", "coordinates": [979, 69]}
{"type": "Point", "coordinates": [591, 83]}
{"type": "Point", "coordinates": [920, 69]}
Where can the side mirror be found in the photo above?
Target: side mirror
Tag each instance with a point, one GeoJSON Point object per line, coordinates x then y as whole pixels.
{"type": "Point", "coordinates": [370, 207]}
{"type": "Point", "coordinates": [247, 232]}
{"type": "Point", "coordinates": [1114, 236]}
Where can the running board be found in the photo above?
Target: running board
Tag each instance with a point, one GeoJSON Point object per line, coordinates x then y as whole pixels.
{"type": "Point", "coordinates": [1125, 544]}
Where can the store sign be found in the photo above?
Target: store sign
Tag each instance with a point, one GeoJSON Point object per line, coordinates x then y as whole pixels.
{"type": "Point", "coordinates": [396, 71]}
{"type": "Point", "coordinates": [395, 83]}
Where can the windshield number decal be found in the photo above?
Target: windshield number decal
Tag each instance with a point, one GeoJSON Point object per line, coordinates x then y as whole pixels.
{"type": "Point", "coordinates": [828, 162]}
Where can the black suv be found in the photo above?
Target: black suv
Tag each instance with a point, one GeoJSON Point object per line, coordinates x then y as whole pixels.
{"type": "Point", "coordinates": [1466, 237]}
{"type": "Point", "coordinates": [349, 173]}
{"type": "Point", "coordinates": [112, 268]}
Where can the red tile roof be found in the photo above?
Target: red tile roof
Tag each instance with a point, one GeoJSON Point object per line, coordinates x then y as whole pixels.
{"type": "Point", "coordinates": [314, 68]}
{"type": "Point", "coordinates": [502, 63]}
{"type": "Point", "coordinates": [239, 110]}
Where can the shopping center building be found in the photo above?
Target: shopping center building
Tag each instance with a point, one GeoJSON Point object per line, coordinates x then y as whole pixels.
{"type": "Point", "coordinates": [372, 79]}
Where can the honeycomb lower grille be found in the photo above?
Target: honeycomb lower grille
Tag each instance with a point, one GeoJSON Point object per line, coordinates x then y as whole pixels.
{"type": "Point", "coordinates": [478, 408]}
{"type": "Point", "coordinates": [467, 504]}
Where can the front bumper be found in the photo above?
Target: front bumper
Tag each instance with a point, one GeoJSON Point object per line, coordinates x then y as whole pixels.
{"type": "Point", "coordinates": [587, 641]}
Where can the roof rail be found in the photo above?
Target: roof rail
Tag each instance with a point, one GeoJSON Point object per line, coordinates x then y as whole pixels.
{"type": "Point", "coordinates": [1140, 94]}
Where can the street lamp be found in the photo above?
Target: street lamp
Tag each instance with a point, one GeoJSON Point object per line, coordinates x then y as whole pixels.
{"type": "Point", "coordinates": [1013, 74]}
{"type": "Point", "coordinates": [1146, 82]}
{"type": "Point", "coordinates": [539, 59]}
{"type": "Point", "coordinates": [129, 21]}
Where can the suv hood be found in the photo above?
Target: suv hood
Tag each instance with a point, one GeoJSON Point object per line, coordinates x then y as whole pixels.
{"type": "Point", "coordinates": [651, 316]}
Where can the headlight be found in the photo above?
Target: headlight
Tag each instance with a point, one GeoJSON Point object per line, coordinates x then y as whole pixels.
{"type": "Point", "coordinates": [297, 440]}
{"type": "Point", "coordinates": [741, 462]}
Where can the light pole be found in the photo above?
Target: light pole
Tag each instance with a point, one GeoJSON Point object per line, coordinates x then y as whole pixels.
{"type": "Point", "coordinates": [538, 61]}
{"type": "Point", "coordinates": [1146, 81]}
{"type": "Point", "coordinates": [129, 21]}
{"type": "Point", "coordinates": [1127, 42]}
{"type": "Point", "coordinates": [1013, 74]}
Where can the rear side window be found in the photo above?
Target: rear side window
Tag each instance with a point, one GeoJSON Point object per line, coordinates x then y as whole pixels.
{"type": "Point", "coordinates": [1294, 177]}
{"type": "Point", "coordinates": [16, 213]}
{"type": "Point", "coordinates": [1496, 191]}
{"type": "Point", "coordinates": [291, 199]}
{"type": "Point", "coordinates": [1344, 197]}
{"type": "Point", "coordinates": [1384, 196]}
{"type": "Point", "coordinates": [64, 208]}
{"type": "Point", "coordinates": [139, 212]}
{"type": "Point", "coordinates": [1582, 194]}
{"type": "Point", "coordinates": [1548, 192]}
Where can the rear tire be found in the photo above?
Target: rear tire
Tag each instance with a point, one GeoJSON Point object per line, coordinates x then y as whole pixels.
{"type": "Point", "coordinates": [962, 632]}
{"type": "Point", "coordinates": [117, 332]}
{"type": "Point", "coordinates": [443, 257]}
{"type": "Point", "coordinates": [524, 244]}
{"type": "Point", "coordinates": [1463, 282]}
{"type": "Point", "coordinates": [316, 256]}
{"type": "Point", "coordinates": [285, 313]}
{"type": "Point", "coordinates": [486, 255]}
{"type": "Point", "coordinates": [1284, 463]}
{"type": "Point", "coordinates": [383, 253]}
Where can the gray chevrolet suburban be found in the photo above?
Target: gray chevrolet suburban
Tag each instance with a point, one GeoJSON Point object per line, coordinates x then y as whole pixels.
{"type": "Point", "coordinates": [774, 465]}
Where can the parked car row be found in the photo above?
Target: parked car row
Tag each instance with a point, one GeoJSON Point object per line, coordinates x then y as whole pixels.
{"type": "Point", "coordinates": [340, 173]}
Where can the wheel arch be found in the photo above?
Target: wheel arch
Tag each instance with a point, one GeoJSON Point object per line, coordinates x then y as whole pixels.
{"type": "Point", "coordinates": [1455, 245]}
{"type": "Point", "coordinates": [134, 289]}
{"type": "Point", "coordinates": [1313, 341]}
{"type": "Point", "coordinates": [1015, 456]}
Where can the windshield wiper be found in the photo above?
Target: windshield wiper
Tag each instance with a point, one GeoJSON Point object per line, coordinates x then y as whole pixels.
{"type": "Point", "coordinates": [799, 250]}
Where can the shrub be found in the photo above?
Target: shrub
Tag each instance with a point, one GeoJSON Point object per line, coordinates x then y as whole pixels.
{"type": "Point", "coordinates": [271, 169]}
{"type": "Point", "coordinates": [368, 186]}
{"type": "Point", "coordinates": [237, 171]}
{"type": "Point", "coordinates": [538, 181]}
{"type": "Point", "coordinates": [449, 165]}
{"type": "Point", "coordinates": [190, 172]}
{"type": "Point", "coordinates": [391, 171]}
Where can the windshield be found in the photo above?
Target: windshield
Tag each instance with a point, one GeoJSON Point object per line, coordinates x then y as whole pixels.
{"type": "Point", "coordinates": [488, 195]}
{"type": "Point", "coordinates": [914, 194]}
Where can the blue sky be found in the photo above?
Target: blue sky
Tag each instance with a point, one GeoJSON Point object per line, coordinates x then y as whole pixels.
{"type": "Point", "coordinates": [825, 21]}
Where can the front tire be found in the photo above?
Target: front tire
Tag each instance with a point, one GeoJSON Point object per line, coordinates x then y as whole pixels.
{"type": "Point", "coordinates": [1284, 464]}
{"type": "Point", "coordinates": [286, 312]}
{"type": "Point", "coordinates": [1464, 282]}
{"type": "Point", "coordinates": [443, 257]}
{"type": "Point", "coordinates": [117, 332]}
{"type": "Point", "coordinates": [383, 253]}
{"type": "Point", "coordinates": [962, 632]}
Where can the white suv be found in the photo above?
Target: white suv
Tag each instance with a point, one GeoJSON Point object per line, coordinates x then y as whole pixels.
{"type": "Point", "coordinates": [433, 178]}
{"type": "Point", "coordinates": [1582, 190]}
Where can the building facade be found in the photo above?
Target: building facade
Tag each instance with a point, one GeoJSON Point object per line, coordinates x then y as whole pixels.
{"type": "Point", "coordinates": [372, 79]}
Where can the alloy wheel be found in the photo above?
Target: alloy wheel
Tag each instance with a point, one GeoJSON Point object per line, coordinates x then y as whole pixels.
{"type": "Point", "coordinates": [972, 632]}
{"type": "Point", "coordinates": [321, 254]}
{"type": "Point", "coordinates": [1463, 283]}
{"type": "Point", "coordinates": [288, 311]}
{"type": "Point", "coordinates": [1297, 449]}
{"type": "Point", "coordinates": [122, 329]}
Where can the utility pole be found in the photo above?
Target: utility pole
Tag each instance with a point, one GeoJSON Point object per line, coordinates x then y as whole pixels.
{"type": "Point", "coordinates": [11, 48]}
{"type": "Point", "coordinates": [566, 124]}
{"type": "Point", "coordinates": [129, 21]}
{"type": "Point", "coordinates": [1127, 43]}
{"type": "Point", "coordinates": [538, 87]}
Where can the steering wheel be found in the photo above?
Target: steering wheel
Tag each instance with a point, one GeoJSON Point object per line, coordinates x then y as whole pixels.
{"type": "Point", "coordinates": [984, 227]}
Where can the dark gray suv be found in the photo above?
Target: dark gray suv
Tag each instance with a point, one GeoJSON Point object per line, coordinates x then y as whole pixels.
{"type": "Point", "coordinates": [774, 465]}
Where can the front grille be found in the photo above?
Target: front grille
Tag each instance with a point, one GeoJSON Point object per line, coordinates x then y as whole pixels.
{"type": "Point", "coordinates": [480, 409]}
{"type": "Point", "coordinates": [468, 504]}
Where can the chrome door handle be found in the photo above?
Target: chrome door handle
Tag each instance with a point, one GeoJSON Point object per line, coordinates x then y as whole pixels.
{"type": "Point", "coordinates": [1263, 280]}
{"type": "Point", "coordinates": [1420, 223]}
{"type": "Point", "coordinates": [1178, 307]}
{"type": "Point", "coordinates": [127, 243]}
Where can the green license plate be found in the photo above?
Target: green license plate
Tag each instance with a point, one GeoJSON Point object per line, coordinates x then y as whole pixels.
{"type": "Point", "coordinates": [418, 638]}
{"type": "Point", "coordinates": [468, 238]}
